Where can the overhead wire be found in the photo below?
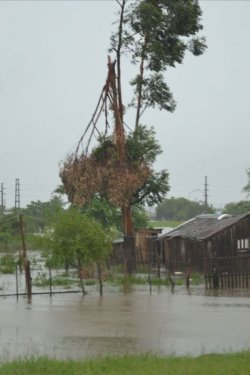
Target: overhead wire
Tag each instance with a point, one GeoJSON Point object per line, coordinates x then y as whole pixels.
{"type": "Point", "coordinates": [7, 219]}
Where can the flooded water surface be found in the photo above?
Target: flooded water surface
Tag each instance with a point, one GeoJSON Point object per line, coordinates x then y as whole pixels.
{"type": "Point", "coordinates": [73, 326]}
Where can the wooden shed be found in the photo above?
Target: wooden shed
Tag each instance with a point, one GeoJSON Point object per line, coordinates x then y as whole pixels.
{"type": "Point", "coordinates": [204, 237]}
{"type": "Point", "coordinates": [143, 244]}
{"type": "Point", "coordinates": [143, 247]}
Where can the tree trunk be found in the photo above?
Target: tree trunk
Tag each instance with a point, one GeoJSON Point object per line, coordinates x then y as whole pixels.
{"type": "Point", "coordinates": [188, 272]}
{"type": "Point", "coordinates": [129, 242]}
{"type": "Point", "coordinates": [99, 271]}
{"type": "Point", "coordinates": [129, 256]}
{"type": "Point", "coordinates": [81, 276]}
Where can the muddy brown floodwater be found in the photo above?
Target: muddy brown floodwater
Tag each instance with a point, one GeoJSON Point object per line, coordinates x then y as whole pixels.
{"type": "Point", "coordinates": [72, 326]}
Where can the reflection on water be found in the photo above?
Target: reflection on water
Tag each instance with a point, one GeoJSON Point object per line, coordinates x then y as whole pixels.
{"type": "Point", "coordinates": [72, 326]}
{"type": "Point", "coordinates": [239, 292]}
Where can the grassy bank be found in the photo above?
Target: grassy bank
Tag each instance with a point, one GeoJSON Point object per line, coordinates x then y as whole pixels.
{"type": "Point", "coordinates": [212, 364]}
{"type": "Point", "coordinates": [163, 223]}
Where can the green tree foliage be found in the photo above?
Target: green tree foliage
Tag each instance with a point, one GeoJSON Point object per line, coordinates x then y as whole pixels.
{"type": "Point", "coordinates": [180, 209]}
{"type": "Point", "coordinates": [110, 216]}
{"type": "Point", "coordinates": [237, 208]}
{"type": "Point", "coordinates": [9, 231]}
{"type": "Point", "coordinates": [75, 238]}
{"type": "Point", "coordinates": [101, 210]}
{"type": "Point", "coordinates": [246, 188]}
{"type": "Point", "coordinates": [156, 35]}
{"type": "Point", "coordinates": [40, 215]}
{"type": "Point", "coordinates": [141, 145]}
{"type": "Point", "coordinates": [139, 216]}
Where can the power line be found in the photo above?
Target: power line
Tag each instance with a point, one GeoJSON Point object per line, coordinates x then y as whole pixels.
{"type": "Point", "coordinates": [206, 192]}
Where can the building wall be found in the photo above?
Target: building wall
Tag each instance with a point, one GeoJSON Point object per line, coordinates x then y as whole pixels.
{"type": "Point", "coordinates": [180, 251]}
{"type": "Point", "coordinates": [144, 246]}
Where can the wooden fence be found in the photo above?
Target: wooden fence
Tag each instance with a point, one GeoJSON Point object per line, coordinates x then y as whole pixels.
{"type": "Point", "coordinates": [227, 272]}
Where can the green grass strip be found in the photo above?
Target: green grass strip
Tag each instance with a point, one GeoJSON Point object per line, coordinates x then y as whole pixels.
{"type": "Point", "coordinates": [212, 364]}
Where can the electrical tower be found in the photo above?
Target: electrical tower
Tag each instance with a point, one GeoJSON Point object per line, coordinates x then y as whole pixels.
{"type": "Point", "coordinates": [206, 192]}
{"type": "Point", "coordinates": [17, 194]}
{"type": "Point", "coordinates": [2, 206]}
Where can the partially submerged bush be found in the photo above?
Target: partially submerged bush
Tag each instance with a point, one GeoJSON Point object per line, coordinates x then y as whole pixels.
{"type": "Point", "coordinates": [7, 263]}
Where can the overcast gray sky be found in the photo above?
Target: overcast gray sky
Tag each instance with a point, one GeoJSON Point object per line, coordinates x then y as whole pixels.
{"type": "Point", "coordinates": [53, 58]}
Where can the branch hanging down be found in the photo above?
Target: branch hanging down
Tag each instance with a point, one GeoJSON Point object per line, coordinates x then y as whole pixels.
{"type": "Point", "coordinates": [106, 170]}
{"type": "Point", "coordinates": [101, 104]}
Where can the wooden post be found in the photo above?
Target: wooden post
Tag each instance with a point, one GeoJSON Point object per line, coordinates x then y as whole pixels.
{"type": "Point", "coordinates": [158, 263]}
{"type": "Point", "coordinates": [206, 285]}
{"type": "Point", "coordinates": [171, 281]}
{"type": "Point", "coordinates": [129, 254]}
{"type": "Point", "coordinates": [28, 277]}
{"type": "Point", "coordinates": [81, 276]}
{"type": "Point", "coordinates": [150, 283]}
{"type": "Point", "coordinates": [20, 260]}
{"type": "Point", "coordinates": [222, 280]}
{"type": "Point", "coordinates": [50, 282]}
{"type": "Point", "coordinates": [188, 273]}
{"type": "Point", "coordinates": [247, 273]}
{"type": "Point", "coordinates": [16, 282]}
{"type": "Point", "coordinates": [25, 259]}
{"type": "Point", "coordinates": [149, 268]}
{"type": "Point", "coordinates": [99, 271]}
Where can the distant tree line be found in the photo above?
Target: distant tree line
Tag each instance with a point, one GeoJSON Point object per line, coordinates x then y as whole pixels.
{"type": "Point", "coordinates": [40, 217]}
{"type": "Point", "coordinates": [181, 209]}
{"type": "Point", "coordinates": [242, 207]}
{"type": "Point", "coordinates": [237, 208]}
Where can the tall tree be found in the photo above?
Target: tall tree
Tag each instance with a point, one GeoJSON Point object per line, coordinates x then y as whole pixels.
{"type": "Point", "coordinates": [155, 34]}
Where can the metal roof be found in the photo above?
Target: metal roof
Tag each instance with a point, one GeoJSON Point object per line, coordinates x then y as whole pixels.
{"type": "Point", "coordinates": [203, 227]}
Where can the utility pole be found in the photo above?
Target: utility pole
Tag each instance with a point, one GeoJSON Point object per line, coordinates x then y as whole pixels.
{"type": "Point", "coordinates": [206, 192]}
{"type": "Point", "coordinates": [26, 261]}
{"type": "Point", "coordinates": [17, 194]}
{"type": "Point", "coordinates": [2, 199]}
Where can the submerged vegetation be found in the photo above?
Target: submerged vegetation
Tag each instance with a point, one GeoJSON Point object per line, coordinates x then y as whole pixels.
{"type": "Point", "coordinates": [114, 278]}
{"type": "Point", "coordinates": [53, 275]}
{"type": "Point", "coordinates": [7, 264]}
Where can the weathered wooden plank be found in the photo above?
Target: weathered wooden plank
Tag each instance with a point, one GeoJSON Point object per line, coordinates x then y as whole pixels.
{"type": "Point", "coordinates": [227, 272]}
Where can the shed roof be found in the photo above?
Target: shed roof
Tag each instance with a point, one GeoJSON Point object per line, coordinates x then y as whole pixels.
{"type": "Point", "coordinates": [203, 227]}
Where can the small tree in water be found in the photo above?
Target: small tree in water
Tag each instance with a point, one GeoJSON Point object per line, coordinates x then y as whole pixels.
{"type": "Point", "coordinates": [76, 239]}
